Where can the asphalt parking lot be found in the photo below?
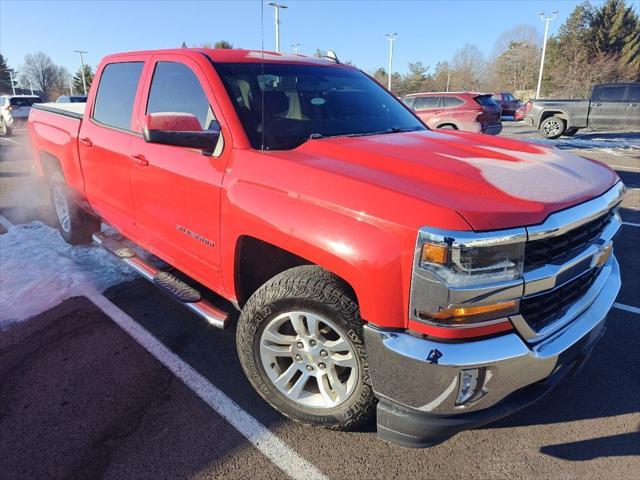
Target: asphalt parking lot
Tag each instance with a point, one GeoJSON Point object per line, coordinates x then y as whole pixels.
{"type": "Point", "coordinates": [82, 397]}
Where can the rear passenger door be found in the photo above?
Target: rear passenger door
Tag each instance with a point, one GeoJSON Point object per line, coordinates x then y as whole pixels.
{"type": "Point", "coordinates": [104, 142]}
{"type": "Point", "coordinates": [608, 106]}
{"type": "Point", "coordinates": [632, 115]}
{"type": "Point", "coordinates": [177, 189]}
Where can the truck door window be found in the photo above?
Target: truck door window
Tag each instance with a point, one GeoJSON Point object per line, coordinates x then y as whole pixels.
{"type": "Point", "coordinates": [116, 94]}
{"type": "Point", "coordinates": [609, 93]}
{"type": "Point", "coordinates": [175, 88]}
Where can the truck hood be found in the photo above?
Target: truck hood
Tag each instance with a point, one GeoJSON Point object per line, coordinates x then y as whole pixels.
{"type": "Point", "coordinates": [493, 182]}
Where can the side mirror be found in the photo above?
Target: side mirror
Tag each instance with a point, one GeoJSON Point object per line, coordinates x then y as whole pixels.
{"type": "Point", "coordinates": [179, 129]}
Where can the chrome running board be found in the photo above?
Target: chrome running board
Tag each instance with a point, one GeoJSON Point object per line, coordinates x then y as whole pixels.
{"type": "Point", "coordinates": [203, 308]}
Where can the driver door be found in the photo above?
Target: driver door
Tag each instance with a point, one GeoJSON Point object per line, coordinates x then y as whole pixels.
{"type": "Point", "coordinates": [176, 189]}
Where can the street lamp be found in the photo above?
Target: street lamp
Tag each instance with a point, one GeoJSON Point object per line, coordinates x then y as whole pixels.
{"type": "Point", "coordinates": [84, 82]}
{"type": "Point", "coordinates": [13, 86]}
{"type": "Point", "coordinates": [277, 7]}
{"type": "Point", "coordinates": [296, 48]}
{"type": "Point", "coordinates": [390, 38]}
{"type": "Point", "coordinates": [544, 46]}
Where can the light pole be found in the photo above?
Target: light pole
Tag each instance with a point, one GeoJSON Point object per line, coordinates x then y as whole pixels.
{"type": "Point", "coordinates": [296, 48]}
{"type": "Point", "coordinates": [546, 21]}
{"type": "Point", "coordinates": [13, 86]}
{"type": "Point", "coordinates": [70, 86]}
{"type": "Point", "coordinates": [277, 7]}
{"type": "Point", "coordinates": [31, 86]}
{"type": "Point", "coordinates": [448, 76]}
{"type": "Point", "coordinates": [391, 38]}
{"type": "Point", "coordinates": [84, 82]}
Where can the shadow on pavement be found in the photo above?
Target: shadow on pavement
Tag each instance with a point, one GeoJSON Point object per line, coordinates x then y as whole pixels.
{"type": "Point", "coordinates": [611, 446]}
{"type": "Point", "coordinates": [607, 385]}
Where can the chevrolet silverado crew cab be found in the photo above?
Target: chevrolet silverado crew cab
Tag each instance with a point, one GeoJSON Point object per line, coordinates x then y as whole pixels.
{"type": "Point", "coordinates": [612, 105]}
{"type": "Point", "coordinates": [442, 279]}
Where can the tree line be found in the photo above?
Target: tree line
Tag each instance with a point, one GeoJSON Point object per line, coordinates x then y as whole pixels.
{"type": "Point", "coordinates": [594, 45]}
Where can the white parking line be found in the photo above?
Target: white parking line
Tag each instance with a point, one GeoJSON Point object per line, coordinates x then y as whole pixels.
{"type": "Point", "coordinates": [262, 438]}
{"type": "Point", "coordinates": [5, 223]}
{"type": "Point", "coordinates": [627, 308]}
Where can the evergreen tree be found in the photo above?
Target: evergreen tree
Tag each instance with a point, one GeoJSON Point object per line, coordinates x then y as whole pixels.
{"type": "Point", "coordinates": [78, 88]}
{"type": "Point", "coordinates": [5, 76]}
{"type": "Point", "coordinates": [616, 32]}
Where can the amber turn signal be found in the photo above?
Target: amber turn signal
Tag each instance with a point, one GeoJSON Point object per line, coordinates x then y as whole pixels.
{"type": "Point", "coordinates": [484, 311]}
{"type": "Point", "coordinates": [432, 253]}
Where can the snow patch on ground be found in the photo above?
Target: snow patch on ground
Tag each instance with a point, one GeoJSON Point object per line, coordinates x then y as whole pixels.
{"type": "Point", "coordinates": [39, 270]}
{"type": "Point", "coordinates": [610, 145]}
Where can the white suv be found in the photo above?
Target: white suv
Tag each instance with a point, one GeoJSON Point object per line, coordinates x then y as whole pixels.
{"type": "Point", "coordinates": [14, 109]}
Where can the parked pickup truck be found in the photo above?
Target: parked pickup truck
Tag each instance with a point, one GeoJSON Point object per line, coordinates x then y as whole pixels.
{"type": "Point", "coordinates": [614, 105]}
{"type": "Point", "coordinates": [444, 279]}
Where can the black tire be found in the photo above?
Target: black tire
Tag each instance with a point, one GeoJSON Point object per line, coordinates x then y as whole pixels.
{"type": "Point", "coordinates": [80, 225]}
{"type": "Point", "coordinates": [552, 127]}
{"type": "Point", "coordinates": [570, 132]}
{"type": "Point", "coordinates": [314, 290]}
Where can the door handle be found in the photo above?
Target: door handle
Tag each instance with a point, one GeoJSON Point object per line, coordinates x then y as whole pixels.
{"type": "Point", "coordinates": [140, 160]}
{"type": "Point", "coordinates": [86, 141]}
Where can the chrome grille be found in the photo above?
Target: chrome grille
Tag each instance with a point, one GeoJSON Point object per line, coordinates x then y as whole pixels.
{"type": "Point", "coordinates": [542, 309]}
{"type": "Point", "coordinates": [553, 249]}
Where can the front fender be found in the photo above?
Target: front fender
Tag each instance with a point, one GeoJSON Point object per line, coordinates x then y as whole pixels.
{"type": "Point", "coordinates": [373, 255]}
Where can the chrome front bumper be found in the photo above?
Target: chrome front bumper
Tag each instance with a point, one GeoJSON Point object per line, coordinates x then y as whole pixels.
{"type": "Point", "coordinates": [431, 370]}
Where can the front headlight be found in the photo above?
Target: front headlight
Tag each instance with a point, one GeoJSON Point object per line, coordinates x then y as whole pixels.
{"type": "Point", "coordinates": [472, 258]}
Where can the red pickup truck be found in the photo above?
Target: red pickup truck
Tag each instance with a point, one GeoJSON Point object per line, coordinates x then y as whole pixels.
{"type": "Point", "coordinates": [443, 279]}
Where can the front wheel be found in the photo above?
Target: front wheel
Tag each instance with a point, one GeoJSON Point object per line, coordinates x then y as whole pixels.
{"type": "Point", "coordinates": [552, 127]}
{"type": "Point", "coordinates": [74, 224]}
{"type": "Point", "coordinates": [300, 343]}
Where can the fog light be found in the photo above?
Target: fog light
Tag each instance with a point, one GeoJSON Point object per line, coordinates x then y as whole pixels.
{"type": "Point", "coordinates": [470, 384]}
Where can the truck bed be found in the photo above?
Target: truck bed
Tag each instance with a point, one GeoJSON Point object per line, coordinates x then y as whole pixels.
{"type": "Point", "coordinates": [75, 110]}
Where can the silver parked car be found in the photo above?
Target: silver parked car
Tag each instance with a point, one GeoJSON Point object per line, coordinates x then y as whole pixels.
{"type": "Point", "coordinates": [14, 109]}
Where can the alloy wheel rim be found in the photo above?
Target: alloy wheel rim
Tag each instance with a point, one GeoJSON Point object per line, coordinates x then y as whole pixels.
{"type": "Point", "coordinates": [308, 360]}
{"type": "Point", "coordinates": [552, 128]}
{"type": "Point", "coordinates": [62, 209]}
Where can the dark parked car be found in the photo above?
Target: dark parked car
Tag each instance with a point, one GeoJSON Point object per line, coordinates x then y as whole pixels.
{"type": "Point", "coordinates": [613, 105]}
{"type": "Point", "coordinates": [72, 99]}
{"type": "Point", "coordinates": [469, 111]}
{"type": "Point", "coordinates": [508, 102]}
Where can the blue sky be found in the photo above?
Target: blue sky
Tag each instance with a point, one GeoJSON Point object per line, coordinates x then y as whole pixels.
{"type": "Point", "coordinates": [428, 31]}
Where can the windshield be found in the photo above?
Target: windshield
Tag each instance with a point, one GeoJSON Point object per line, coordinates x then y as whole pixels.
{"type": "Point", "coordinates": [304, 101]}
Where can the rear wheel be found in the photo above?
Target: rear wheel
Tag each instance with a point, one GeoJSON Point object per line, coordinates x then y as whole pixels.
{"type": "Point", "coordinates": [570, 132]}
{"type": "Point", "coordinates": [74, 224]}
{"type": "Point", "coordinates": [552, 127]}
{"type": "Point", "coordinates": [300, 343]}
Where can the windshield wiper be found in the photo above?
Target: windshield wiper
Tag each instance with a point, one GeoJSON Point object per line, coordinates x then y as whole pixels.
{"type": "Point", "coordinates": [315, 136]}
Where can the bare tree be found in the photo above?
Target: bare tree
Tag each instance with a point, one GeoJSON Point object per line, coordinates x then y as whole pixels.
{"type": "Point", "coordinates": [467, 68]}
{"type": "Point", "coordinates": [515, 60]}
{"type": "Point", "coordinates": [40, 71]}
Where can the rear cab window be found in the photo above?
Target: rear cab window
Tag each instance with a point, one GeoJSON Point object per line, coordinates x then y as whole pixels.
{"type": "Point", "coordinates": [24, 101]}
{"type": "Point", "coordinates": [116, 95]}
